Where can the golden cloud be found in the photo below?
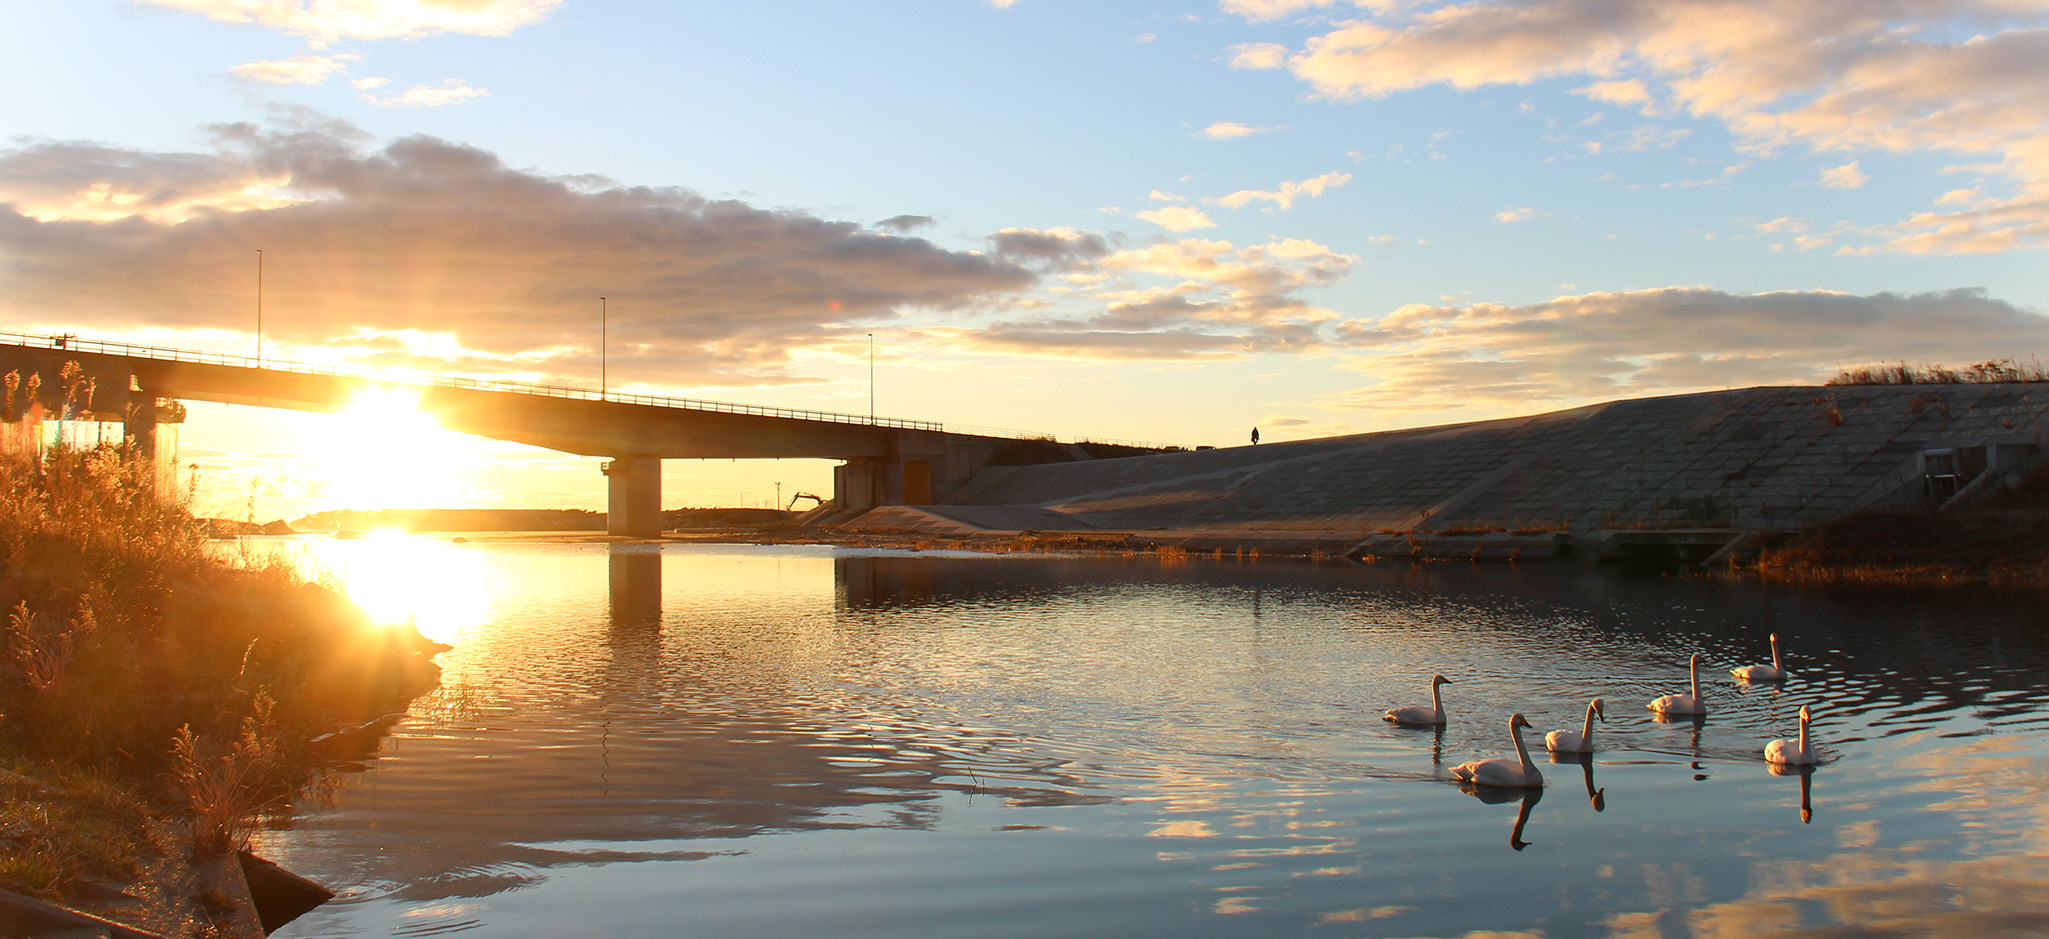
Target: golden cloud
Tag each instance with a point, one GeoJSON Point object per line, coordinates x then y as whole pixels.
{"type": "Point", "coordinates": [324, 21]}
{"type": "Point", "coordinates": [366, 245]}
{"type": "Point", "coordinates": [1965, 77]}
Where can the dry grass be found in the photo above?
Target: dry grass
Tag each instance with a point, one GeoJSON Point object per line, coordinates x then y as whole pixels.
{"type": "Point", "coordinates": [2000, 539]}
{"type": "Point", "coordinates": [135, 655]}
{"type": "Point", "coordinates": [1987, 372]}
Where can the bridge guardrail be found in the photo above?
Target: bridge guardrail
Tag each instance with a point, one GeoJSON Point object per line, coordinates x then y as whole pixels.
{"type": "Point", "coordinates": [167, 354]}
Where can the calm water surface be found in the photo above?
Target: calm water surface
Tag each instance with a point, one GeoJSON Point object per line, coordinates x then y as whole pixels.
{"type": "Point", "coordinates": [809, 741]}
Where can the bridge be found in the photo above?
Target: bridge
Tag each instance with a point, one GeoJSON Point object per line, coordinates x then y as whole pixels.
{"type": "Point", "coordinates": [885, 461]}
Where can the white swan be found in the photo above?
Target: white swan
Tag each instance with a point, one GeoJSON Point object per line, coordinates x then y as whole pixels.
{"type": "Point", "coordinates": [1518, 773]}
{"type": "Point", "coordinates": [1793, 752]}
{"type": "Point", "coordinates": [1418, 714]}
{"type": "Point", "coordinates": [1684, 705]}
{"type": "Point", "coordinates": [1576, 741]}
{"type": "Point", "coordinates": [1770, 672]}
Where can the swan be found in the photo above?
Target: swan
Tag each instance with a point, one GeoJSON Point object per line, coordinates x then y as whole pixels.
{"type": "Point", "coordinates": [1518, 773]}
{"type": "Point", "coordinates": [1793, 752]}
{"type": "Point", "coordinates": [1770, 672]}
{"type": "Point", "coordinates": [1684, 705]}
{"type": "Point", "coordinates": [1418, 714]}
{"type": "Point", "coordinates": [1581, 740]}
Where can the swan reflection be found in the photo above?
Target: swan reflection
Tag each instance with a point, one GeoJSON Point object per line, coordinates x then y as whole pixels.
{"type": "Point", "coordinates": [1597, 797]}
{"type": "Point", "coordinates": [1496, 795]}
{"type": "Point", "coordinates": [1806, 773]}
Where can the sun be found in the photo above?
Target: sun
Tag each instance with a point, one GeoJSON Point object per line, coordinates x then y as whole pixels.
{"type": "Point", "coordinates": [383, 452]}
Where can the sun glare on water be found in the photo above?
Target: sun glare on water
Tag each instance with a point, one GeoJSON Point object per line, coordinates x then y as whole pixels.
{"type": "Point", "coordinates": [396, 578]}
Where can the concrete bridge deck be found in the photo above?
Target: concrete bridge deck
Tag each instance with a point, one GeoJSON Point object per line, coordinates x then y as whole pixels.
{"type": "Point", "coordinates": [887, 461]}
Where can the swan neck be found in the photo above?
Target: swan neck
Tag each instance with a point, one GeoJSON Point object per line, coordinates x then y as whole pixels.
{"type": "Point", "coordinates": [1803, 735]}
{"type": "Point", "coordinates": [1693, 676]}
{"type": "Point", "coordinates": [1586, 728]}
{"type": "Point", "coordinates": [1437, 698]}
{"type": "Point", "coordinates": [1775, 655]}
{"type": "Point", "coordinates": [1521, 752]}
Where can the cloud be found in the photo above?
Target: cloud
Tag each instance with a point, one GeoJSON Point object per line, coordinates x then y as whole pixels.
{"type": "Point", "coordinates": [1596, 346]}
{"type": "Point", "coordinates": [364, 241]}
{"type": "Point", "coordinates": [1515, 213]}
{"type": "Point", "coordinates": [1189, 299]}
{"type": "Point", "coordinates": [1628, 92]}
{"type": "Point", "coordinates": [1284, 198]}
{"type": "Point", "coordinates": [298, 70]}
{"type": "Point", "coordinates": [1259, 55]}
{"type": "Point", "coordinates": [369, 84]}
{"type": "Point", "coordinates": [1049, 249]}
{"type": "Point", "coordinates": [1963, 77]}
{"type": "Point", "coordinates": [1178, 218]}
{"type": "Point", "coordinates": [323, 21]}
{"type": "Point", "coordinates": [904, 224]}
{"type": "Point", "coordinates": [1264, 10]}
{"type": "Point", "coordinates": [1230, 130]}
{"type": "Point", "coordinates": [452, 91]}
{"type": "Point", "coordinates": [1846, 176]}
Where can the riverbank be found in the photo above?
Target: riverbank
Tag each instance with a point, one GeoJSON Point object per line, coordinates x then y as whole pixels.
{"type": "Point", "coordinates": [159, 696]}
{"type": "Point", "coordinates": [2001, 539]}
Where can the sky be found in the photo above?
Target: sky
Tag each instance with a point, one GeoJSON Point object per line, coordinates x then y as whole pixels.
{"type": "Point", "coordinates": [1165, 222]}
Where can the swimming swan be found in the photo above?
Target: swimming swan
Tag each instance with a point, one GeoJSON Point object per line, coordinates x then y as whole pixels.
{"type": "Point", "coordinates": [1518, 773]}
{"type": "Point", "coordinates": [1418, 714]}
{"type": "Point", "coordinates": [1770, 672]}
{"type": "Point", "coordinates": [1793, 752]}
{"type": "Point", "coordinates": [1684, 705]}
{"type": "Point", "coordinates": [1576, 741]}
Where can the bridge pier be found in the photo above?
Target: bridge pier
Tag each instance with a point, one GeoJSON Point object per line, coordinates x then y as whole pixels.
{"type": "Point", "coordinates": [633, 496]}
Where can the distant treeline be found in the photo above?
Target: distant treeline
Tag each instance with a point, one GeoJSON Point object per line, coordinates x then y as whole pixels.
{"type": "Point", "coordinates": [523, 519]}
{"type": "Point", "coordinates": [454, 520]}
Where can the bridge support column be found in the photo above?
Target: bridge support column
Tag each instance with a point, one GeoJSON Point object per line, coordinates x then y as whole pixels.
{"type": "Point", "coordinates": [633, 491]}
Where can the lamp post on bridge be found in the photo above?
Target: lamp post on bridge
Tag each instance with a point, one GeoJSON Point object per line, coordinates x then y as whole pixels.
{"type": "Point", "coordinates": [259, 308]}
{"type": "Point", "coordinates": [604, 339]}
{"type": "Point", "coordinates": [871, 378]}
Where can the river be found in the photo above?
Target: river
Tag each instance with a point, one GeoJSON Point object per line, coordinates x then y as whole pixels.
{"type": "Point", "coordinates": [699, 740]}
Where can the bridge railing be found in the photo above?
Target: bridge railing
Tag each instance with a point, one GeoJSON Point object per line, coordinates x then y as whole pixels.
{"type": "Point", "coordinates": [166, 354]}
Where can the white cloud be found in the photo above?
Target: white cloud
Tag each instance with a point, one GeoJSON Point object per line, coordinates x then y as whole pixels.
{"type": "Point", "coordinates": [324, 21]}
{"type": "Point", "coordinates": [1265, 10]}
{"type": "Point", "coordinates": [1284, 198]}
{"type": "Point", "coordinates": [1595, 346]}
{"type": "Point", "coordinates": [1846, 176]}
{"type": "Point", "coordinates": [1230, 130]}
{"type": "Point", "coordinates": [1178, 218]}
{"type": "Point", "coordinates": [1963, 77]}
{"type": "Point", "coordinates": [451, 91]}
{"type": "Point", "coordinates": [298, 70]}
{"type": "Point", "coordinates": [369, 84]}
{"type": "Point", "coordinates": [1515, 213]}
{"type": "Point", "coordinates": [1259, 55]}
{"type": "Point", "coordinates": [1158, 196]}
{"type": "Point", "coordinates": [1189, 299]}
{"type": "Point", "coordinates": [1144, 38]}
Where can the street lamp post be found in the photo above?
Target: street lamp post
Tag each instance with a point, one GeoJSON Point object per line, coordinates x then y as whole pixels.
{"type": "Point", "coordinates": [604, 347]}
{"type": "Point", "coordinates": [259, 308]}
{"type": "Point", "coordinates": [871, 378]}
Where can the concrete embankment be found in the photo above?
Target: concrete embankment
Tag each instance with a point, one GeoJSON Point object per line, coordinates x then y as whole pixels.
{"type": "Point", "coordinates": [1684, 475]}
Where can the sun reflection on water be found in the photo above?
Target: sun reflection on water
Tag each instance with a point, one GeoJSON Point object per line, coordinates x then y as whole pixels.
{"type": "Point", "coordinates": [398, 577]}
